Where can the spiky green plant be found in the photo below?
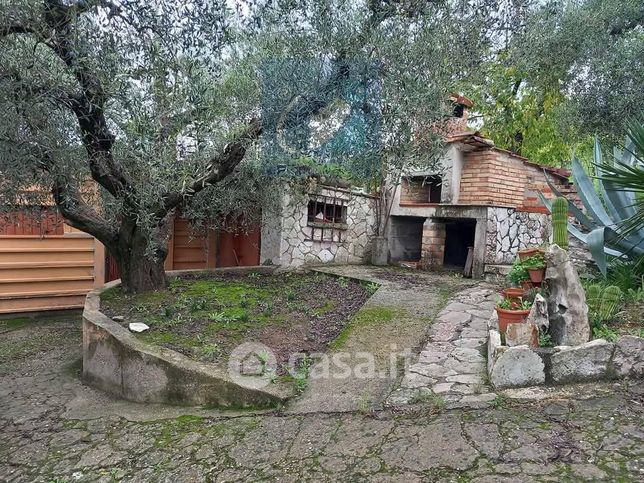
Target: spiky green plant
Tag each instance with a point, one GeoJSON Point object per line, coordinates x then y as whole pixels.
{"type": "Point", "coordinates": [614, 219]}
{"type": "Point", "coordinates": [593, 296]}
{"type": "Point", "coordinates": [610, 302]}
{"type": "Point", "coordinates": [560, 222]}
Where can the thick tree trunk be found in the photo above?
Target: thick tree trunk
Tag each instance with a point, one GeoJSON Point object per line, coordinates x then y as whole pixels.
{"type": "Point", "coordinates": [139, 272]}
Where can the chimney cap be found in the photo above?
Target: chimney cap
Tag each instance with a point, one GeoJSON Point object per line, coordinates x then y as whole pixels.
{"type": "Point", "coordinates": [459, 99]}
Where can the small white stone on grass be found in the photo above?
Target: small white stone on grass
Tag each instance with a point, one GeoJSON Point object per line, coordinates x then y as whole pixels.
{"type": "Point", "coordinates": [138, 327]}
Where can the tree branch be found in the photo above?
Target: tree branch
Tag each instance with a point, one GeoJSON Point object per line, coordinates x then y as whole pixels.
{"type": "Point", "coordinates": [89, 111]}
{"type": "Point", "coordinates": [79, 214]}
{"type": "Point", "coordinates": [221, 166]}
{"type": "Point", "coordinates": [27, 90]}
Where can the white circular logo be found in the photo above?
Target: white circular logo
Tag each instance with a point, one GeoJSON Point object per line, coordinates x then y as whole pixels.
{"type": "Point", "coordinates": [252, 365]}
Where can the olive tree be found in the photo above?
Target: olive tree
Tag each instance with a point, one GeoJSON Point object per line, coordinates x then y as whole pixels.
{"type": "Point", "coordinates": [127, 112]}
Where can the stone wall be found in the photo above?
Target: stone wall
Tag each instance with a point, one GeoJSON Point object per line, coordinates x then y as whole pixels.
{"type": "Point", "coordinates": [595, 360]}
{"type": "Point", "coordinates": [509, 230]}
{"type": "Point", "coordinates": [290, 240]}
{"type": "Point", "coordinates": [119, 363]}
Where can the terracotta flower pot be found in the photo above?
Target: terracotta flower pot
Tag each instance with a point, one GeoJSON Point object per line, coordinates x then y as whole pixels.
{"type": "Point", "coordinates": [514, 293]}
{"type": "Point", "coordinates": [529, 252]}
{"type": "Point", "coordinates": [510, 317]}
{"type": "Point", "coordinates": [527, 285]}
{"type": "Point", "coordinates": [536, 275]}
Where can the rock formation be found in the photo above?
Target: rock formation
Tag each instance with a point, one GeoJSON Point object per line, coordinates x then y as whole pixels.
{"type": "Point", "coordinates": [567, 308]}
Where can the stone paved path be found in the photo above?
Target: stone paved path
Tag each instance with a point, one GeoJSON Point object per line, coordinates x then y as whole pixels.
{"type": "Point", "coordinates": [452, 364]}
{"type": "Point", "coordinates": [55, 429]}
{"type": "Point", "coordinates": [398, 316]}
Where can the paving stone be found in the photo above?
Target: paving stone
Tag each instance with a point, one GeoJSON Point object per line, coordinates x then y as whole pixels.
{"type": "Point", "coordinates": [471, 343]}
{"type": "Point", "coordinates": [465, 354]}
{"type": "Point", "coordinates": [464, 367]}
{"type": "Point", "coordinates": [453, 318]}
{"type": "Point", "coordinates": [432, 370]}
{"type": "Point", "coordinates": [429, 357]}
{"type": "Point", "coordinates": [442, 387]}
{"type": "Point", "coordinates": [466, 388]}
{"type": "Point", "coordinates": [466, 378]}
{"type": "Point", "coordinates": [485, 436]}
{"type": "Point", "coordinates": [414, 380]}
{"type": "Point", "coordinates": [479, 313]}
{"type": "Point", "coordinates": [443, 332]}
{"type": "Point", "coordinates": [441, 445]}
{"type": "Point", "coordinates": [587, 471]}
{"type": "Point", "coordinates": [469, 333]}
{"type": "Point", "coordinates": [456, 307]}
{"type": "Point", "coordinates": [478, 323]}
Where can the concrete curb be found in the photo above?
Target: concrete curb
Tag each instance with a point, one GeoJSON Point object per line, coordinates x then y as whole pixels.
{"type": "Point", "coordinates": [115, 361]}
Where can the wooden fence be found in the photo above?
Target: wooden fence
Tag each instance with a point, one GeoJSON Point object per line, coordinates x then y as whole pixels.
{"type": "Point", "coordinates": [48, 272]}
{"type": "Point", "coordinates": [47, 265]}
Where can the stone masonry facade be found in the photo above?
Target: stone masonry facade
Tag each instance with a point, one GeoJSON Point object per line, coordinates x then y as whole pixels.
{"type": "Point", "coordinates": [509, 231]}
{"type": "Point", "coordinates": [292, 239]}
{"type": "Point", "coordinates": [502, 188]}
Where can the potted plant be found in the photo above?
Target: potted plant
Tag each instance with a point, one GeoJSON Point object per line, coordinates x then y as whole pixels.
{"type": "Point", "coordinates": [519, 279]}
{"type": "Point", "coordinates": [512, 312]}
{"type": "Point", "coordinates": [536, 267]}
{"type": "Point", "coordinates": [530, 252]}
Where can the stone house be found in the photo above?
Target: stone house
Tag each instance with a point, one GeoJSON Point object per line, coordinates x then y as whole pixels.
{"type": "Point", "coordinates": [484, 200]}
{"type": "Point", "coordinates": [324, 225]}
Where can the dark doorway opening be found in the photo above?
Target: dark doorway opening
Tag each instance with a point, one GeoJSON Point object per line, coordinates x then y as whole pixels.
{"type": "Point", "coordinates": [459, 237]}
{"type": "Point", "coordinates": [406, 238]}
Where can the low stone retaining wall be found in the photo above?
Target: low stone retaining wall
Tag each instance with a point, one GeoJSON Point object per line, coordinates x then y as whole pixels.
{"type": "Point", "coordinates": [595, 360]}
{"type": "Point", "coordinates": [115, 361]}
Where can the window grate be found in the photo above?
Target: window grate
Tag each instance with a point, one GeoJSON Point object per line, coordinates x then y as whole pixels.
{"type": "Point", "coordinates": [327, 219]}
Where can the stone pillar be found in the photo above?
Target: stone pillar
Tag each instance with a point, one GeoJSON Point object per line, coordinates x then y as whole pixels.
{"type": "Point", "coordinates": [433, 246]}
{"type": "Point", "coordinates": [480, 238]}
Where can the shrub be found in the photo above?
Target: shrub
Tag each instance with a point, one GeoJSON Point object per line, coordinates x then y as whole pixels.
{"type": "Point", "coordinates": [518, 273]}
{"type": "Point", "coordinates": [535, 261]}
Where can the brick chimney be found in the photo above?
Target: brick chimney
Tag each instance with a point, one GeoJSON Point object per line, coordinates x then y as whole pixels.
{"type": "Point", "coordinates": [455, 120]}
{"type": "Point", "coordinates": [457, 123]}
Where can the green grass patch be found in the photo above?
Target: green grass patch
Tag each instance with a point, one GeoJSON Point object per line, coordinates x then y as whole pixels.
{"type": "Point", "coordinates": [13, 324]}
{"type": "Point", "coordinates": [365, 317]}
{"type": "Point", "coordinates": [167, 337]}
{"type": "Point", "coordinates": [111, 294]}
{"type": "Point", "coordinates": [326, 307]}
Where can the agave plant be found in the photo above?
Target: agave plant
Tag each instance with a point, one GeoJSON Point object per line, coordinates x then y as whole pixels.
{"type": "Point", "coordinates": [613, 222]}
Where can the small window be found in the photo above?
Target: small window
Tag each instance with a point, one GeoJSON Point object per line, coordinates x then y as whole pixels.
{"type": "Point", "coordinates": [326, 212]}
{"type": "Point", "coordinates": [423, 189]}
{"type": "Point", "coordinates": [435, 184]}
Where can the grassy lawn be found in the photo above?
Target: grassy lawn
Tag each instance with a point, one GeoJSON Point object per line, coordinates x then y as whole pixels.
{"type": "Point", "coordinates": [206, 318]}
